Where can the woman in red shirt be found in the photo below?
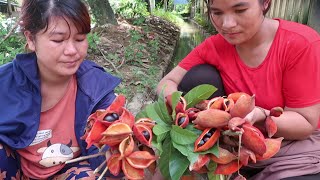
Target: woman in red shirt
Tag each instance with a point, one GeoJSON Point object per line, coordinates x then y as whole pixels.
{"type": "Point", "coordinates": [278, 61]}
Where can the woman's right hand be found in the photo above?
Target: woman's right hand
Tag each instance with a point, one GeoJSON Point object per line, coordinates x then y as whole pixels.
{"type": "Point", "coordinates": [169, 83]}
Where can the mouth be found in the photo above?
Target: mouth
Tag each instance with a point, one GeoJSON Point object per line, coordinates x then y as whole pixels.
{"type": "Point", "coordinates": [232, 34]}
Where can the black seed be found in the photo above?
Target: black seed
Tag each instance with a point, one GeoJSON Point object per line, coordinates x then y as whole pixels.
{"type": "Point", "coordinates": [111, 117]}
{"type": "Point", "coordinates": [206, 139]}
{"type": "Point", "coordinates": [227, 103]}
{"type": "Point", "coordinates": [181, 120]}
{"type": "Point", "coordinates": [115, 116]}
{"type": "Point", "coordinates": [209, 134]}
{"type": "Point", "coordinates": [146, 135]}
{"type": "Point", "coordinates": [201, 143]}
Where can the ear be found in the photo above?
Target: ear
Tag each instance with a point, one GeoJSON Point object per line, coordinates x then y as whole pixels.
{"type": "Point", "coordinates": [266, 4]}
{"type": "Point", "coordinates": [30, 40]}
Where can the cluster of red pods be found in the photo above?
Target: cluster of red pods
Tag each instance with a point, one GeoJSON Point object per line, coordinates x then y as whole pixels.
{"type": "Point", "coordinates": [116, 127]}
{"type": "Point", "coordinates": [222, 120]}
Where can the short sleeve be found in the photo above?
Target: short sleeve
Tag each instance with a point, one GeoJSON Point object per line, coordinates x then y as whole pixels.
{"type": "Point", "coordinates": [201, 54]}
{"type": "Point", "coordinates": [301, 78]}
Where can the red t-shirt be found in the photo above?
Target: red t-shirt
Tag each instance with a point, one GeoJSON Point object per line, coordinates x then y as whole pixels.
{"type": "Point", "coordinates": [288, 76]}
{"type": "Point", "coordinates": [55, 141]}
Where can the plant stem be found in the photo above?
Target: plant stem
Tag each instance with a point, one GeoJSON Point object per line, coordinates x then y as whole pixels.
{"type": "Point", "coordinates": [99, 168]}
{"type": "Point", "coordinates": [103, 173]}
{"type": "Point", "coordinates": [84, 158]}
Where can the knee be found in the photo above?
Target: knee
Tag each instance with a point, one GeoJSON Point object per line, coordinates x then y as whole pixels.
{"type": "Point", "coordinates": [202, 74]}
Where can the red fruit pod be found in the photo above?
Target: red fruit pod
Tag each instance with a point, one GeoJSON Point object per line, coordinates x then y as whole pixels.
{"type": "Point", "coordinates": [227, 169]}
{"type": "Point", "coordinates": [270, 127]}
{"type": "Point", "coordinates": [202, 160]}
{"type": "Point", "coordinates": [141, 159]}
{"type": "Point", "coordinates": [126, 146]}
{"type": "Point", "coordinates": [95, 134]}
{"type": "Point", "coordinates": [246, 155]}
{"type": "Point", "coordinates": [147, 122]}
{"type": "Point", "coordinates": [192, 113]}
{"type": "Point", "coordinates": [224, 157]}
{"type": "Point", "coordinates": [116, 133]}
{"type": "Point", "coordinates": [236, 95]}
{"type": "Point", "coordinates": [127, 117]}
{"type": "Point", "coordinates": [243, 106]}
{"type": "Point", "coordinates": [276, 111]}
{"type": "Point", "coordinates": [253, 139]}
{"type": "Point", "coordinates": [182, 120]}
{"type": "Point", "coordinates": [117, 103]}
{"type": "Point", "coordinates": [228, 104]}
{"type": "Point", "coordinates": [202, 105]}
{"type": "Point", "coordinates": [235, 123]}
{"type": "Point", "coordinates": [143, 134]}
{"type": "Point", "coordinates": [207, 139]}
{"type": "Point", "coordinates": [215, 103]}
{"type": "Point", "coordinates": [273, 146]}
{"type": "Point", "coordinates": [131, 172]}
{"type": "Point", "coordinates": [212, 118]}
{"type": "Point", "coordinates": [114, 164]}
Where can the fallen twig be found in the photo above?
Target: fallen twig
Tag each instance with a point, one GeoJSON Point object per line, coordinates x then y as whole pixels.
{"type": "Point", "coordinates": [10, 32]}
{"type": "Point", "coordinates": [105, 58]}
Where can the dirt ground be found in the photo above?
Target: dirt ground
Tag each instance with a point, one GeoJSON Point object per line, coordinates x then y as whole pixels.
{"type": "Point", "coordinates": [141, 75]}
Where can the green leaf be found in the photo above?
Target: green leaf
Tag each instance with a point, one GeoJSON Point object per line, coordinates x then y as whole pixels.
{"type": "Point", "coordinates": [182, 148]}
{"type": "Point", "coordinates": [212, 167]}
{"type": "Point", "coordinates": [153, 114]}
{"type": "Point", "coordinates": [158, 146]}
{"type": "Point", "coordinates": [177, 165]}
{"type": "Point", "coordinates": [213, 150]}
{"type": "Point", "coordinates": [161, 132]}
{"type": "Point", "coordinates": [162, 111]}
{"type": "Point", "coordinates": [187, 150]}
{"type": "Point", "coordinates": [190, 127]}
{"type": "Point", "coordinates": [182, 136]}
{"type": "Point", "coordinates": [162, 137]}
{"type": "Point", "coordinates": [160, 129]}
{"type": "Point", "coordinates": [198, 94]}
{"type": "Point", "coordinates": [141, 114]}
{"type": "Point", "coordinates": [175, 98]}
{"type": "Point", "coordinates": [165, 158]}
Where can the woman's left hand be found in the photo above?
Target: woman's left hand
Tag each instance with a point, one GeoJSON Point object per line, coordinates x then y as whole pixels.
{"type": "Point", "coordinates": [258, 114]}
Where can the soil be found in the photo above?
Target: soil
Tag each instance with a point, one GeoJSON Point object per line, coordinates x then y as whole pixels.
{"type": "Point", "coordinates": [140, 74]}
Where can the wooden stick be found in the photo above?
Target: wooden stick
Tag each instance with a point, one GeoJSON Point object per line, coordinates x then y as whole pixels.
{"type": "Point", "coordinates": [103, 173]}
{"type": "Point", "coordinates": [84, 158]}
{"type": "Point", "coordinates": [99, 167]}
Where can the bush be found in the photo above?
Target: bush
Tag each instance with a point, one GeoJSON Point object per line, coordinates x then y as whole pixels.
{"type": "Point", "coordinates": [14, 44]}
{"type": "Point", "coordinates": [131, 9]}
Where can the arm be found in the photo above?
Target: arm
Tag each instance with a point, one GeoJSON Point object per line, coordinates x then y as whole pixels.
{"type": "Point", "coordinates": [294, 123]}
{"type": "Point", "coordinates": [170, 82]}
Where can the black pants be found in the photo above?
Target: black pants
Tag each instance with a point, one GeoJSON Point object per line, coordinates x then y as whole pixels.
{"type": "Point", "coordinates": [207, 74]}
{"type": "Point", "coordinates": [202, 74]}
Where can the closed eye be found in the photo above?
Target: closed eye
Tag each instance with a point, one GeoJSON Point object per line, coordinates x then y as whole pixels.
{"type": "Point", "coordinates": [217, 13]}
{"type": "Point", "coordinates": [57, 41]}
{"type": "Point", "coordinates": [240, 10]}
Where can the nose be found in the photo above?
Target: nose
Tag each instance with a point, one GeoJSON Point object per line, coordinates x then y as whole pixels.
{"type": "Point", "coordinates": [70, 48]}
{"type": "Point", "coordinates": [228, 22]}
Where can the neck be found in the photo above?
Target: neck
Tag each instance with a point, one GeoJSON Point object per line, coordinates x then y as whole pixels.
{"type": "Point", "coordinates": [262, 36]}
{"type": "Point", "coordinates": [54, 81]}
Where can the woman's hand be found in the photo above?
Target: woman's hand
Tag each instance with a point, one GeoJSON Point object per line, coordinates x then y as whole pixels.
{"type": "Point", "coordinates": [257, 115]}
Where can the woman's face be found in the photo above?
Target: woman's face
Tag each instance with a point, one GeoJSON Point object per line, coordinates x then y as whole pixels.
{"type": "Point", "coordinates": [60, 49]}
{"type": "Point", "coordinates": [236, 20]}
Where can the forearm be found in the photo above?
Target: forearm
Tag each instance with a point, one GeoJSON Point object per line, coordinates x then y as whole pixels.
{"type": "Point", "coordinates": [293, 126]}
